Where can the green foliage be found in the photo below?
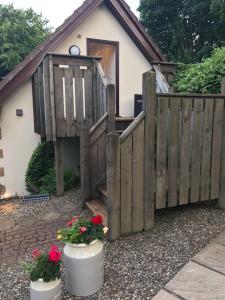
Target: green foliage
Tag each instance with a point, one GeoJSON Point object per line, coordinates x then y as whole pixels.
{"type": "Point", "coordinates": [42, 267]}
{"type": "Point", "coordinates": [205, 77]}
{"type": "Point", "coordinates": [82, 231]}
{"type": "Point", "coordinates": [20, 32]}
{"type": "Point", "coordinates": [185, 30]}
{"type": "Point", "coordinates": [48, 182]}
{"type": "Point", "coordinates": [40, 175]}
{"type": "Point", "coordinates": [41, 162]}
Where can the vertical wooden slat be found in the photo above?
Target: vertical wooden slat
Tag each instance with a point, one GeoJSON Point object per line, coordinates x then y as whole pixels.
{"type": "Point", "coordinates": [138, 178]}
{"type": "Point", "coordinates": [85, 165]}
{"type": "Point", "coordinates": [47, 99]}
{"type": "Point", "coordinates": [173, 147]}
{"type": "Point", "coordinates": [207, 149]}
{"type": "Point", "coordinates": [78, 74]}
{"type": "Point", "coordinates": [52, 97]}
{"type": "Point", "coordinates": [149, 101]}
{"type": "Point", "coordinates": [94, 167]}
{"type": "Point", "coordinates": [41, 100]}
{"type": "Point", "coordinates": [216, 148]}
{"type": "Point", "coordinates": [95, 96]}
{"type": "Point", "coordinates": [221, 201]}
{"type": "Point", "coordinates": [185, 151]}
{"type": "Point", "coordinates": [111, 104]}
{"type": "Point", "coordinates": [59, 166]}
{"type": "Point", "coordinates": [113, 186]}
{"type": "Point", "coordinates": [89, 115]}
{"type": "Point", "coordinates": [126, 186]}
{"type": "Point", "coordinates": [70, 122]}
{"type": "Point", "coordinates": [101, 156]}
{"type": "Point", "coordinates": [59, 103]}
{"type": "Point", "coordinates": [196, 155]}
{"type": "Point", "coordinates": [161, 158]}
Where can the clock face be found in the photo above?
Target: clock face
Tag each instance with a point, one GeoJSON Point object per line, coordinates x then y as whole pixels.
{"type": "Point", "coordinates": [74, 50]}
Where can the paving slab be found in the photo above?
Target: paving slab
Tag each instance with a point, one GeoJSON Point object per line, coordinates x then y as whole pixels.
{"type": "Point", "coordinates": [195, 282]}
{"type": "Point", "coordinates": [213, 256]}
{"type": "Point", "coordinates": [221, 239]}
{"type": "Point", "coordinates": [164, 295]}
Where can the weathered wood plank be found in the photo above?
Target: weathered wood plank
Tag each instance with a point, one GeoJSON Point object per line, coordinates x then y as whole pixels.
{"type": "Point", "coordinates": [196, 155]}
{"type": "Point", "coordinates": [216, 148]}
{"type": "Point", "coordinates": [78, 74]}
{"type": "Point", "coordinates": [113, 186]}
{"type": "Point", "coordinates": [173, 151]}
{"type": "Point", "coordinates": [85, 165]}
{"type": "Point", "coordinates": [59, 102]}
{"type": "Point", "coordinates": [126, 187]}
{"type": "Point", "coordinates": [138, 178]}
{"type": "Point", "coordinates": [161, 157]}
{"type": "Point", "coordinates": [52, 97]}
{"type": "Point", "coordinates": [102, 163]}
{"type": "Point", "coordinates": [47, 100]}
{"type": "Point", "coordinates": [221, 201]}
{"type": "Point", "coordinates": [71, 129]}
{"type": "Point", "coordinates": [207, 149]}
{"type": "Point", "coordinates": [59, 166]}
{"type": "Point", "coordinates": [41, 100]}
{"type": "Point", "coordinates": [94, 168]}
{"type": "Point", "coordinates": [149, 101]}
{"type": "Point", "coordinates": [111, 106]}
{"type": "Point", "coordinates": [98, 130]}
{"type": "Point", "coordinates": [89, 117]}
{"type": "Point", "coordinates": [185, 151]}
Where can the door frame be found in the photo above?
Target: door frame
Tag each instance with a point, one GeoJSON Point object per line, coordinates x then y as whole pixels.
{"type": "Point", "coordinates": [116, 44]}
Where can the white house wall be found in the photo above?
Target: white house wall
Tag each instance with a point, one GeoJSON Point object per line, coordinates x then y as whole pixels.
{"type": "Point", "coordinates": [101, 24]}
{"type": "Point", "coordinates": [18, 138]}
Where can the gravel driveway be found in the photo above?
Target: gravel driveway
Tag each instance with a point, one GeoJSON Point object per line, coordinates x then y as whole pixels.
{"type": "Point", "coordinates": [137, 267]}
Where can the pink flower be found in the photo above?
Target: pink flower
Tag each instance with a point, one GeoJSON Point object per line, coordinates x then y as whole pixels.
{"type": "Point", "coordinates": [36, 253]}
{"type": "Point", "coordinates": [83, 229]}
{"type": "Point", "coordinates": [54, 254]}
{"type": "Point", "coordinates": [70, 223]}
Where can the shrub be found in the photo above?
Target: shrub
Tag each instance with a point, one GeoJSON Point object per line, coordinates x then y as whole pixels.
{"type": "Point", "coordinates": [205, 77]}
{"type": "Point", "coordinates": [48, 182]}
{"type": "Point", "coordinates": [41, 162]}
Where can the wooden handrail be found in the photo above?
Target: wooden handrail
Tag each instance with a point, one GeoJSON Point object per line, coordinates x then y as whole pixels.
{"type": "Point", "coordinates": [96, 125]}
{"type": "Point", "coordinates": [132, 127]}
{"type": "Point", "coordinates": [179, 95]}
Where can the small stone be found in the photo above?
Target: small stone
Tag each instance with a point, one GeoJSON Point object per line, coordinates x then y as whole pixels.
{"type": "Point", "coordinates": [52, 216]}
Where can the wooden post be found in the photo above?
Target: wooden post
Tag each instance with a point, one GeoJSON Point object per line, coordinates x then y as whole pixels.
{"type": "Point", "coordinates": [59, 166]}
{"type": "Point", "coordinates": [111, 106]}
{"type": "Point", "coordinates": [85, 165]}
{"type": "Point", "coordinates": [113, 186]}
{"type": "Point", "coordinates": [221, 201]}
{"type": "Point", "coordinates": [149, 101]}
{"type": "Point", "coordinates": [52, 97]}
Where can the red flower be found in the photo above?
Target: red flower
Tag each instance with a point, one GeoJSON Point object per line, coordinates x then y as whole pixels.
{"type": "Point", "coordinates": [54, 254]}
{"type": "Point", "coordinates": [97, 220]}
{"type": "Point", "coordinates": [83, 229]}
{"type": "Point", "coordinates": [36, 253]}
{"type": "Point", "coordinates": [70, 223]}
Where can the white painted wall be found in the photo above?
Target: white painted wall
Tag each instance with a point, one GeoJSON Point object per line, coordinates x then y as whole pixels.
{"type": "Point", "coordinates": [18, 138]}
{"type": "Point", "coordinates": [101, 24]}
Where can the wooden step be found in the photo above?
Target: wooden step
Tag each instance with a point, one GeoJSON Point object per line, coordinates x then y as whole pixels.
{"type": "Point", "coordinates": [98, 208]}
{"type": "Point", "coordinates": [123, 123]}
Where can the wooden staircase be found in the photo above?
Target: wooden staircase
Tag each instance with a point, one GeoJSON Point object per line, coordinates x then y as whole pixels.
{"type": "Point", "coordinates": [99, 206]}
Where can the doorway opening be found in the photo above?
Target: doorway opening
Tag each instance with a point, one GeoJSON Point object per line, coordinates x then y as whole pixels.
{"type": "Point", "coordinates": [109, 52]}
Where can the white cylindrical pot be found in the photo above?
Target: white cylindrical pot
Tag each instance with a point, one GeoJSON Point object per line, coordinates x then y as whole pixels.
{"type": "Point", "coordinates": [40, 290]}
{"type": "Point", "coordinates": [84, 268]}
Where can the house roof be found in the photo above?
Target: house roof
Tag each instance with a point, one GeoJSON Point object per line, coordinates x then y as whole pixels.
{"type": "Point", "coordinates": [118, 8]}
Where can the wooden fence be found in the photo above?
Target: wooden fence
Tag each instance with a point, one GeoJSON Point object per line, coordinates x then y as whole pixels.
{"type": "Point", "coordinates": [69, 94]}
{"type": "Point", "coordinates": [171, 155]}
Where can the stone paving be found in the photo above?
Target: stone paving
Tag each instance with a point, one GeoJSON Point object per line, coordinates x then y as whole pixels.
{"type": "Point", "coordinates": [203, 278]}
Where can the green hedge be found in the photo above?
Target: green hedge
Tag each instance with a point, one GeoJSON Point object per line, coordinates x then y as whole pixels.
{"type": "Point", "coordinates": [40, 175]}
{"type": "Point", "coordinates": [205, 77]}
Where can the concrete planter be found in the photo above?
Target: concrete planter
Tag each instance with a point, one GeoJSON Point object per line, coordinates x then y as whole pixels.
{"type": "Point", "coordinates": [84, 268]}
{"type": "Point", "coordinates": [45, 290]}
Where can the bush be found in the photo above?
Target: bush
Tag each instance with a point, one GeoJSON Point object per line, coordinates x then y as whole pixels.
{"type": "Point", "coordinates": [205, 77]}
{"type": "Point", "coordinates": [40, 175]}
{"type": "Point", "coordinates": [41, 162]}
{"type": "Point", "coordinates": [48, 182]}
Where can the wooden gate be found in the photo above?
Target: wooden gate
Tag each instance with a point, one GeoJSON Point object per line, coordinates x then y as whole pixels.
{"type": "Point", "coordinates": [171, 155]}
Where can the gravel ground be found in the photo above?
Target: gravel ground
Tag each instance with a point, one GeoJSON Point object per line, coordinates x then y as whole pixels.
{"type": "Point", "coordinates": [137, 267]}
